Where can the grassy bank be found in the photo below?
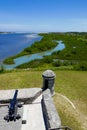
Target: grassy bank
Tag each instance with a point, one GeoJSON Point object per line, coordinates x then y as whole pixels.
{"type": "Point", "coordinates": [72, 84]}
{"type": "Point", "coordinates": [49, 62]}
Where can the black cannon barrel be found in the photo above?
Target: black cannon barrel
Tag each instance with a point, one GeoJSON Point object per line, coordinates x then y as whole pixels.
{"type": "Point", "coordinates": [14, 100]}
{"type": "Point", "coordinates": [13, 109]}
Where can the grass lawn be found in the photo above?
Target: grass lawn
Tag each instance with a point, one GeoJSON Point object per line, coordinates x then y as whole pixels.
{"type": "Point", "coordinates": [71, 84]}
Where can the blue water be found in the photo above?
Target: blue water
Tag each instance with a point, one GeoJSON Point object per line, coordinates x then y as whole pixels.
{"type": "Point", "coordinates": [12, 44]}
{"type": "Point", "coordinates": [25, 59]}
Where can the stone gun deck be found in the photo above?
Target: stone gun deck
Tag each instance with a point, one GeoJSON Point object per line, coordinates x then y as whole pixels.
{"type": "Point", "coordinates": [32, 103]}
{"type": "Point", "coordinates": [38, 110]}
{"type": "Point", "coordinates": [34, 117]}
{"type": "Point", "coordinates": [4, 125]}
{"type": "Point", "coordinates": [35, 120]}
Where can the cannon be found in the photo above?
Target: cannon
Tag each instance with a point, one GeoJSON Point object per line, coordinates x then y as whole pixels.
{"type": "Point", "coordinates": [13, 109]}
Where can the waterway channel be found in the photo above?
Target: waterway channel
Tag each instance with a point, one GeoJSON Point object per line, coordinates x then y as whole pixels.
{"type": "Point", "coordinates": [28, 58]}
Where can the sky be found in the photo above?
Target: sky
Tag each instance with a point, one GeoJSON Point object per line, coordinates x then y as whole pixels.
{"type": "Point", "coordinates": [43, 15]}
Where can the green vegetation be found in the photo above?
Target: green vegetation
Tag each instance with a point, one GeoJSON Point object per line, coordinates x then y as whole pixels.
{"type": "Point", "coordinates": [74, 54]}
{"type": "Point", "coordinates": [75, 46]}
{"type": "Point", "coordinates": [2, 70]}
{"type": "Point", "coordinates": [54, 64]}
{"type": "Point", "coordinates": [72, 84]}
{"type": "Point", "coordinates": [9, 60]}
{"type": "Point", "coordinates": [46, 43]}
{"type": "Point", "coordinates": [81, 66]}
{"type": "Point", "coordinates": [37, 63]}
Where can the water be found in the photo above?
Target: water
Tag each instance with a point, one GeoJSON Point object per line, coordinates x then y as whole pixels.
{"type": "Point", "coordinates": [12, 44]}
{"type": "Point", "coordinates": [25, 59]}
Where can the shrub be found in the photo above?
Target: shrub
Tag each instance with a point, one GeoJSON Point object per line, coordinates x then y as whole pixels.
{"type": "Point", "coordinates": [2, 69]}
{"type": "Point", "coordinates": [57, 63]}
{"type": "Point", "coordinates": [81, 66]}
{"type": "Point", "coordinates": [47, 59]}
{"type": "Point", "coordinates": [66, 63]}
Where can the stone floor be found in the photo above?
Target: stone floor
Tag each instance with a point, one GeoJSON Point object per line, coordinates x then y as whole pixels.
{"type": "Point", "coordinates": [33, 114]}
{"type": "Point", "coordinates": [4, 125]}
{"type": "Point", "coordinates": [35, 120]}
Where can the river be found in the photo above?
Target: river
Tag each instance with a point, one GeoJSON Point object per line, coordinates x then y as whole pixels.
{"type": "Point", "coordinates": [27, 58]}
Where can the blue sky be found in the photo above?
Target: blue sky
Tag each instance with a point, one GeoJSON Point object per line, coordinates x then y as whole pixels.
{"type": "Point", "coordinates": [43, 15]}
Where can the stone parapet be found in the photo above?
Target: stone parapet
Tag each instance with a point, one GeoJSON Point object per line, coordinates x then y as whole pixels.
{"type": "Point", "coordinates": [51, 117]}
{"type": "Point", "coordinates": [27, 95]}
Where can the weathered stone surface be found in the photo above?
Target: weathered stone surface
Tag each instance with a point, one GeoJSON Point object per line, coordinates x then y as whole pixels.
{"type": "Point", "coordinates": [42, 106]}
{"type": "Point", "coordinates": [27, 95]}
{"type": "Point", "coordinates": [48, 74]}
{"type": "Point", "coordinates": [11, 125]}
{"type": "Point", "coordinates": [51, 116]}
{"type": "Point", "coordinates": [34, 115]}
{"type": "Point", "coordinates": [49, 81]}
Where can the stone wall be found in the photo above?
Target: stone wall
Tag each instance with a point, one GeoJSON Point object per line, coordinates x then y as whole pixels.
{"type": "Point", "coordinates": [51, 117]}
{"type": "Point", "coordinates": [27, 95]}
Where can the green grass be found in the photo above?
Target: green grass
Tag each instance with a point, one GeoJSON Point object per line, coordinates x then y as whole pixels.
{"type": "Point", "coordinates": [20, 79]}
{"type": "Point", "coordinates": [72, 84]}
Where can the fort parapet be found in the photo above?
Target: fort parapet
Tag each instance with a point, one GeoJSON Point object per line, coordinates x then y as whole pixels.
{"type": "Point", "coordinates": [38, 111]}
